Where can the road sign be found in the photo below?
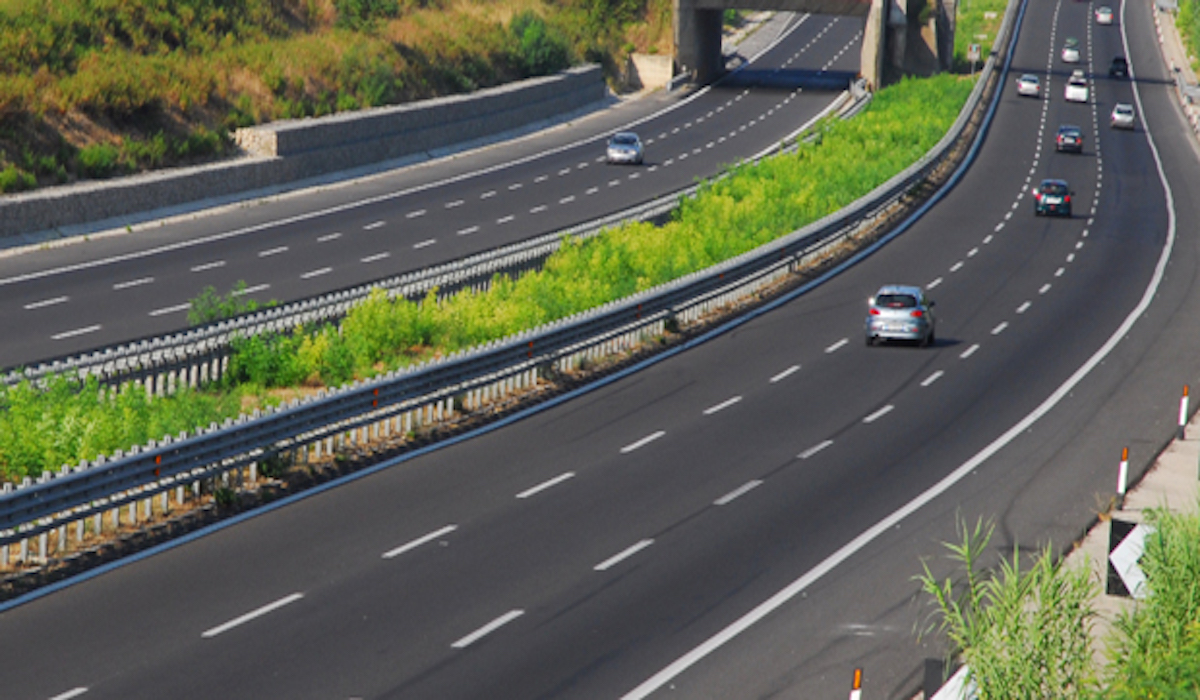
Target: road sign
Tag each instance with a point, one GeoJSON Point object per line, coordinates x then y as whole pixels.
{"type": "Point", "coordinates": [973, 53]}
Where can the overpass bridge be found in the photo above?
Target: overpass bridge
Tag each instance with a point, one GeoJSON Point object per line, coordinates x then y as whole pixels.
{"type": "Point", "coordinates": [900, 37]}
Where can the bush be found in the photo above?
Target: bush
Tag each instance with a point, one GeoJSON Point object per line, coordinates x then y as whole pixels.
{"type": "Point", "coordinates": [362, 14]}
{"type": "Point", "coordinates": [99, 160]}
{"type": "Point", "coordinates": [15, 180]}
{"type": "Point", "coordinates": [210, 306]}
{"type": "Point", "coordinates": [542, 51]}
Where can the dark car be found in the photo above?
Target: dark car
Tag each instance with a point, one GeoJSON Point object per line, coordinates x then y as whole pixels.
{"type": "Point", "coordinates": [1070, 138]}
{"type": "Point", "coordinates": [1119, 67]}
{"type": "Point", "coordinates": [1052, 197]}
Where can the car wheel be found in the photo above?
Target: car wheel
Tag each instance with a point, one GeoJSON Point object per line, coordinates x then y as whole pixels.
{"type": "Point", "coordinates": [870, 341]}
{"type": "Point", "coordinates": [930, 339]}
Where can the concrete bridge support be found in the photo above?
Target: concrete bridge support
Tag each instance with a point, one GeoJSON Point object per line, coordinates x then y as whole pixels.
{"type": "Point", "coordinates": [899, 36]}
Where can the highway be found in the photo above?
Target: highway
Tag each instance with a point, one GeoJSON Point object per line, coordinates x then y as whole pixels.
{"type": "Point", "coordinates": [118, 288]}
{"type": "Point", "coordinates": [613, 545]}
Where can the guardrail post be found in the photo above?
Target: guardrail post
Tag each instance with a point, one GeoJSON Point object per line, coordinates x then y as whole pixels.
{"type": "Point", "coordinates": [61, 545]}
{"type": "Point", "coordinates": [43, 539]}
{"type": "Point", "coordinates": [80, 528]}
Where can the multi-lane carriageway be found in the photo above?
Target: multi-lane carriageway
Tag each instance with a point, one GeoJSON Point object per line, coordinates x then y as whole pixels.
{"type": "Point", "coordinates": [740, 520]}
{"type": "Point", "coordinates": [128, 286]}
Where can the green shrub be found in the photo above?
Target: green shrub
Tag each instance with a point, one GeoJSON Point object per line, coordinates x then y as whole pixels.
{"type": "Point", "coordinates": [99, 160]}
{"type": "Point", "coordinates": [362, 14]}
{"type": "Point", "coordinates": [14, 180]}
{"type": "Point", "coordinates": [542, 50]}
{"type": "Point", "coordinates": [210, 306]}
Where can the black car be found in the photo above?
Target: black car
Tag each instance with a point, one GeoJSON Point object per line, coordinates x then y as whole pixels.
{"type": "Point", "coordinates": [1119, 67]}
{"type": "Point", "coordinates": [1070, 138]}
{"type": "Point", "coordinates": [1052, 197]}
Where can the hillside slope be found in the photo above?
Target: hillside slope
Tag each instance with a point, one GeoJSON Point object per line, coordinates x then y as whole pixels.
{"type": "Point", "coordinates": [97, 88]}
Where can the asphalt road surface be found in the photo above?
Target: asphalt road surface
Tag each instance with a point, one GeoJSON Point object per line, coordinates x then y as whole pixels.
{"type": "Point", "coordinates": [740, 520]}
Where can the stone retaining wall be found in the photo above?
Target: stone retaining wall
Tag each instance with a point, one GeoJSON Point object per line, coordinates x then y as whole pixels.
{"type": "Point", "coordinates": [291, 150]}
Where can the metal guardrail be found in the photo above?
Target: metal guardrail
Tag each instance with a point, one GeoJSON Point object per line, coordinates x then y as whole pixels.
{"type": "Point", "coordinates": [77, 492]}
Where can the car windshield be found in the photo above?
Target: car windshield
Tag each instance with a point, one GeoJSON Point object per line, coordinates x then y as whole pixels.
{"type": "Point", "coordinates": [1078, 81]}
{"type": "Point", "coordinates": [1071, 43]}
{"type": "Point", "coordinates": [1029, 79]}
{"type": "Point", "coordinates": [1070, 131]}
{"type": "Point", "coordinates": [896, 301]}
{"type": "Point", "coordinates": [624, 140]}
{"type": "Point", "coordinates": [1124, 109]}
{"type": "Point", "coordinates": [1054, 188]}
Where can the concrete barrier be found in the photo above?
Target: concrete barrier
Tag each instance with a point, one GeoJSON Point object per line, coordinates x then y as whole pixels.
{"type": "Point", "coordinates": [293, 150]}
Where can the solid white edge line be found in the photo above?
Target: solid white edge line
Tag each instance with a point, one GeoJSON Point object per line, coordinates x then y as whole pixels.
{"type": "Point", "coordinates": [643, 442]}
{"type": "Point", "coordinates": [816, 573]}
{"type": "Point", "coordinates": [738, 492]}
{"type": "Point", "coordinates": [78, 331]}
{"type": "Point", "coordinates": [785, 373]}
{"type": "Point", "coordinates": [269, 607]}
{"type": "Point", "coordinates": [487, 629]}
{"type": "Point", "coordinates": [549, 483]}
{"type": "Point", "coordinates": [623, 555]}
{"type": "Point", "coordinates": [815, 449]}
{"type": "Point", "coordinates": [393, 553]}
{"type": "Point", "coordinates": [879, 414]}
{"type": "Point", "coordinates": [73, 693]}
{"type": "Point", "coordinates": [721, 406]}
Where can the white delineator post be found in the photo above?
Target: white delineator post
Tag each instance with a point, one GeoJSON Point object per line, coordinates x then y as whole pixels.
{"type": "Point", "coordinates": [1122, 475]}
{"type": "Point", "coordinates": [856, 689]}
{"type": "Point", "coordinates": [1183, 413]}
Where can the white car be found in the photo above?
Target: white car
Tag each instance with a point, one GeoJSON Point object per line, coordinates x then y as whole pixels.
{"type": "Point", "coordinates": [1077, 88]}
{"type": "Point", "coordinates": [1070, 52]}
{"type": "Point", "coordinates": [1104, 15]}
{"type": "Point", "coordinates": [1122, 116]}
{"type": "Point", "coordinates": [1029, 85]}
{"type": "Point", "coordinates": [625, 147]}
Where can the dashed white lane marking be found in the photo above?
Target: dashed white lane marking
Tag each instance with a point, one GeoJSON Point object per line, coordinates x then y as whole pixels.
{"type": "Point", "coordinates": [956, 266]}
{"type": "Point", "coordinates": [1044, 288]}
{"type": "Point", "coordinates": [1024, 307]}
{"type": "Point", "coordinates": [505, 219]}
{"type": "Point", "coordinates": [538, 209]}
{"type": "Point", "coordinates": [643, 442]}
{"type": "Point", "coordinates": [488, 195]}
{"type": "Point", "coordinates": [373, 226]}
{"type": "Point", "coordinates": [171, 309]}
{"type": "Point", "coordinates": [468, 230]}
{"type": "Point", "coordinates": [455, 203]}
{"type": "Point", "coordinates": [972, 252]}
{"type": "Point", "coordinates": [634, 176]}
{"type": "Point", "coordinates": [541, 178]}
{"type": "Point", "coordinates": [1059, 272]}
{"type": "Point", "coordinates": [316, 273]}
{"type": "Point", "coordinates": [613, 183]}
{"type": "Point", "coordinates": [549, 483]}
{"type": "Point", "coordinates": [208, 266]}
{"type": "Point", "coordinates": [1078, 245]}
{"type": "Point", "coordinates": [73, 693]}
{"type": "Point", "coordinates": [582, 165]}
{"type": "Point", "coordinates": [879, 414]}
{"type": "Point", "coordinates": [273, 251]}
{"type": "Point", "coordinates": [268, 608]}
{"type": "Point", "coordinates": [785, 373]}
{"type": "Point", "coordinates": [837, 346]}
{"type": "Point", "coordinates": [45, 302]}
{"type": "Point", "coordinates": [1070, 257]}
{"type": "Point", "coordinates": [424, 539]}
{"type": "Point", "coordinates": [377, 256]}
{"type": "Point", "coordinates": [934, 283]}
{"type": "Point", "coordinates": [721, 406]}
{"type": "Point", "coordinates": [738, 492]}
{"type": "Point", "coordinates": [652, 168]}
{"type": "Point", "coordinates": [592, 190]}
{"type": "Point", "coordinates": [422, 244]}
{"type": "Point", "coordinates": [969, 351]}
{"type": "Point", "coordinates": [133, 283]}
{"type": "Point", "coordinates": [567, 200]}
{"type": "Point", "coordinates": [487, 629]}
{"type": "Point", "coordinates": [815, 449]}
{"type": "Point", "coordinates": [564, 171]}
{"type": "Point", "coordinates": [623, 555]}
{"type": "Point", "coordinates": [249, 290]}
{"type": "Point", "coordinates": [415, 214]}
{"type": "Point", "coordinates": [515, 186]}
{"type": "Point", "coordinates": [328, 237]}
{"type": "Point", "coordinates": [1000, 328]}
{"type": "Point", "coordinates": [932, 378]}
{"type": "Point", "coordinates": [988, 239]}
{"type": "Point", "coordinates": [72, 334]}
{"type": "Point", "coordinates": [999, 226]}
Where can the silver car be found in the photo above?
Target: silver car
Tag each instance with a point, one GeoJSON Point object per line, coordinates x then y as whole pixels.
{"type": "Point", "coordinates": [900, 312]}
{"type": "Point", "coordinates": [625, 147]}
{"type": "Point", "coordinates": [1029, 85]}
{"type": "Point", "coordinates": [1122, 116]}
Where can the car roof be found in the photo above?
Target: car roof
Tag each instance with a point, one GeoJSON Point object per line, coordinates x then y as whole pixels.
{"type": "Point", "coordinates": [624, 135]}
{"type": "Point", "coordinates": [1123, 105]}
{"type": "Point", "coordinates": [1068, 127]}
{"type": "Point", "coordinates": [1029, 76]}
{"type": "Point", "coordinates": [899, 289]}
{"type": "Point", "coordinates": [1071, 41]}
{"type": "Point", "coordinates": [1055, 181]}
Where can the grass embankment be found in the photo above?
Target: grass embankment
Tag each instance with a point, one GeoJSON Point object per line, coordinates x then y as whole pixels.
{"type": "Point", "coordinates": [756, 204]}
{"type": "Point", "coordinates": [1025, 632]}
{"type": "Point", "coordinates": [1187, 21]}
{"type": "Point", "coordinates": [978, 23]}
{"type": "Point", "coordinates": [95, 88]}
